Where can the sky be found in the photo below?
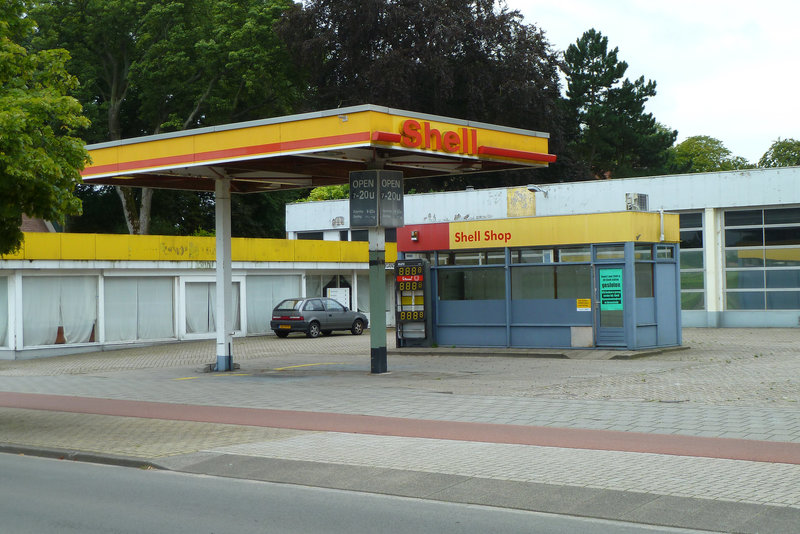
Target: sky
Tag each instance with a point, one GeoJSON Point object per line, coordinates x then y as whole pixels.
{"type": "Point", "coordinates": [726, 69]}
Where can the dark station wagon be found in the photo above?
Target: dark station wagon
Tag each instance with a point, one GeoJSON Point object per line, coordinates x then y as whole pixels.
{"type": "Point", "coordinates": [314, 316]}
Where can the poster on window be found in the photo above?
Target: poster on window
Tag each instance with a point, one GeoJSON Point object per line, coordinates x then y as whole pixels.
{"type": "Point", "coordinates": [340, 294]}
{"type": "Point", "coordinates": [610, 289]}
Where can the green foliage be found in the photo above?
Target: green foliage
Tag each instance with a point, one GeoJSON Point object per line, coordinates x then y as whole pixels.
{"type": "Point", "coordinates": [211, 62]}
{"type": "Point", "coordinates": [327, 192]}
{"type": "Point", "coordinates": [261, 215]}
{"type": "Point", "coordinates": [782, 153]}
{"type": "Point", "coordinates": [101, 213]}
{"type": "Point", "coordinates": [149, 66]}
{"type": "Point", "coordinates": [701, 153]}
{"type": "Point", "coordinates": [40, 157]}
{"type": "Point", "coordinates": [101, 37]}
{"type": "Point", "coordinates": [470, 59]}
{"type": "Point", "coordinates": [609, 132]}
{"type": "Point", "coordinates": [181, 212]}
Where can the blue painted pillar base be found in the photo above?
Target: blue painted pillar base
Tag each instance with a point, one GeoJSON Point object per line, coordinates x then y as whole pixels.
{"type": "Point", "coordinates": [378, 362]}
{"type": "Point", "coordinates": [224, 363]}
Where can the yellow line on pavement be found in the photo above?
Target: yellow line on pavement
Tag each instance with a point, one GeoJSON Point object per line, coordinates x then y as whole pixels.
{"type": "Point", "coordinates": [249, 374]}
{"type": "Point", "coordinates": [213, 375]}
{"type": "Point", "coordinates": [304, 365]}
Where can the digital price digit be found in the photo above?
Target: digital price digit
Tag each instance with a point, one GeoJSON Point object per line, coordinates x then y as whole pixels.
{"type": "Point", "coordinates": [409, 286]}
{"type": "Point", "coordinates": [409, 316]}
{"type": "Point", "coordinates": [412, 270]}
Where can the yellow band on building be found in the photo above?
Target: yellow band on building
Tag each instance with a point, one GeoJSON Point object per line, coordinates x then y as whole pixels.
{"type": "Point", "coordinates": [121, 247]}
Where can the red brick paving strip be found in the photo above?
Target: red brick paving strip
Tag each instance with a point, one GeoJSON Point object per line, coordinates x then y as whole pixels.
{"type": "Point", "coordinates": [672, 444]}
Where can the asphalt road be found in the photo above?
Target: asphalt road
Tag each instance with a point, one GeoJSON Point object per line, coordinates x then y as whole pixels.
{"type": "Point", "coordinates": [45, 496]}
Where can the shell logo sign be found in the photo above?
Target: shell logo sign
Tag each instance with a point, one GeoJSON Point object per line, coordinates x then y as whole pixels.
{"type": "Point", "coordinates": [416, 135]}
{"type": "Point", "coordinates": [461, 140]}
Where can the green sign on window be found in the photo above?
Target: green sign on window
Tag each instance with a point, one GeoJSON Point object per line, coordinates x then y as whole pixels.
{"type": "Point", "coordinates": [611, 289]}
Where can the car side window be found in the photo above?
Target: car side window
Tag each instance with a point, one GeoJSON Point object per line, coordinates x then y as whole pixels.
{"type": "Point", "coordinates": [313, 305]}
{"type": "Point", "coordinates": [333, 305]}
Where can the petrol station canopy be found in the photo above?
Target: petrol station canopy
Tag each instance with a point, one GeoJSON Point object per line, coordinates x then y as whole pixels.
{"type": "Point", "coordinates": [314, 149]}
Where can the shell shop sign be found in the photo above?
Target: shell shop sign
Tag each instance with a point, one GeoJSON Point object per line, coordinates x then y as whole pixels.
{"type": "Point", "coordinates": [485, 237]}
{"type": "Point", "coordinates": [487, 234]}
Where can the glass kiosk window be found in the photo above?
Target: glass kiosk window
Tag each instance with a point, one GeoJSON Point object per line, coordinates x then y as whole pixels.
{"type": "Point", "coordinates": [472, 284]}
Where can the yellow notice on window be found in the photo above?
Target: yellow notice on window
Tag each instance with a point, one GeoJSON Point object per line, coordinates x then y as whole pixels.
{"type": "Point", "coordinates": [583, 304]}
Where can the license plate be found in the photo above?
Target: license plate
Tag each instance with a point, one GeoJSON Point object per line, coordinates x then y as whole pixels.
{"type": "Point", "coordinates": [286, 326]}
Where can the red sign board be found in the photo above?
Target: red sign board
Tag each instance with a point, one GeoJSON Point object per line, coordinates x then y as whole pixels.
{"type": "Point", "coordinates": [415, 278]}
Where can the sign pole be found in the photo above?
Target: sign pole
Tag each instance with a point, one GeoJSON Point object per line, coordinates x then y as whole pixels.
{"type": "Point", "coordinates": [376, 202]}
{"type": "Point", "coordinates": [377, 300]}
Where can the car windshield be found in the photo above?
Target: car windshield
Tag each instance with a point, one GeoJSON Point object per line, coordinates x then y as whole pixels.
{"type": "Point", "coordinates": [289, 304]}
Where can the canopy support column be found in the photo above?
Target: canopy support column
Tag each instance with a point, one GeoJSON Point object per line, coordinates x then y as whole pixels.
{"type": "Point", "coordinates": [377, 300]}
{"type": "Point", "coordinates": [224, 294]}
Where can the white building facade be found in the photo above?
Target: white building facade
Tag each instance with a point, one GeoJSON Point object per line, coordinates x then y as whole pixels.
{"type": "Point", "coordinates": [740, 232]}
{"type": "Point", "coordinates": [74, 293]}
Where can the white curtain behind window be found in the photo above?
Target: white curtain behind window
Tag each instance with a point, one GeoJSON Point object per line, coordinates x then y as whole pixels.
{"type": "Point", "coordinates": [120, 309]}
{"type": "Point", "coordinates": [156, 308]}
{"type": "Point", "coordinates": [259, 303]}
{"type": "Point", "coordinates": [40, 310]}
{"type": "Point", "coordinates": [285, 287]}
{"type": "Point", "coordinates": [3, 311]}
{"type": "Point", "coordinates": [201, 298]}
{"type": "Point", "coordinates": [199, 311]}
{"type": "Point", "coordinates": [313, 285]}
{"type": "Point", "coordinates": [363, 293]}
{"type": "Point", "coordinates": [49, 302]}
{"type": "Point", "coordinates": [78, 307]}
{"type": "Point", "coordinates": [139, 308]}
{"type": "Point", "coordinates": [263, 294]}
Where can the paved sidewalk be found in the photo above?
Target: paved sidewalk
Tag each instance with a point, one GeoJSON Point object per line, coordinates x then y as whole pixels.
{"type": "Point", "coordinates": [739, 387]}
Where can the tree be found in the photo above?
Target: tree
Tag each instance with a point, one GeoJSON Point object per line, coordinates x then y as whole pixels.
{"type": "Point", "coordinates": [101, 37]}
{"type": "Point", "coordinates": [468, 59]}
{"type": "Point", "coordinates": [782, 153]}
{"type": "Point", "coordinates": [40, 157]}
{"type": "Point", "coordinates": [150, 66]}
{"type": "Point", "coordinates": [262, 215]}
{"type": "Point", "coordinates": [608, 129]}
{"type": "Point", "coordinates": [327, 192]}
{"type": "Point", "coordinates": [100, 213]}
{"type": "Point", "coordinates": [701, 153]}
{"type": "Point", "coordinates": [209, 62]}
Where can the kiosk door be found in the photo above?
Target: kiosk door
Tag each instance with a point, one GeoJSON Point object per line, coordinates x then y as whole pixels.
{"type": "Point", "coordinates": [610, 311]}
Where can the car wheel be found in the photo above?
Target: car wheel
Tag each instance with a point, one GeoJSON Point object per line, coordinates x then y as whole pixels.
{"type": "Point", "coordinates": [281, 333]}
{"type": "Point", "coordinates": [313, 330]}
{"type": "Point", "coordinates": [358, 327]}
{"type": "Point", "coordinates": [327, 332]}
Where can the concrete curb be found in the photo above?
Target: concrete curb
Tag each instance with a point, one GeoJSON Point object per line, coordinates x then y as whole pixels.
{"type": "Point", "coordinates": [567, 354]}
{"type": "Point", "coordinates": [615, 505]}
{"type": "Point", "coordinates": [475, 352]}
{"type": "Point", "coordinates": [80, 456]}
{"type": "Point", "coordinates": [646, 353]}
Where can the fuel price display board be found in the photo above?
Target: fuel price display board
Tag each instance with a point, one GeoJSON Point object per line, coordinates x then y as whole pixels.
{"type": "Point", "coordinates": [410, 286]}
